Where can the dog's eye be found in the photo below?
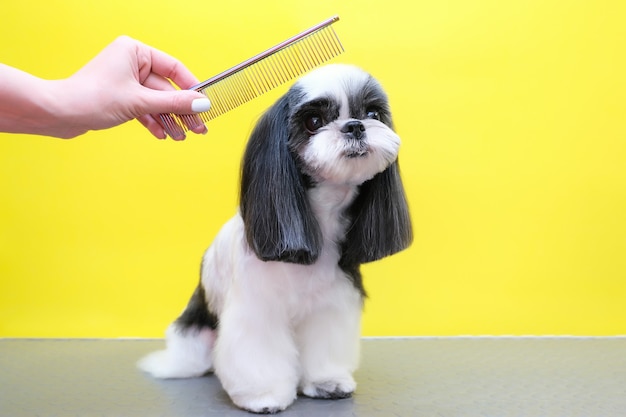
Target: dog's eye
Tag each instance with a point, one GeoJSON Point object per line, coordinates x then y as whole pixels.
{"type": "Point", "coordinates": [373, 114]}
{"type": "Point", "coordinates": [313, 123]}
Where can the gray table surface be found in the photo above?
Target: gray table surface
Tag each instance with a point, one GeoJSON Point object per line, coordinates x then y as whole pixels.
{"type": "Point", "coordinates": [453, 377]}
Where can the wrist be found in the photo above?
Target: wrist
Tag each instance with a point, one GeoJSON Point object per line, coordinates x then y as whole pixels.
{"type": "Point", "coordinates": [58, 109]}
{"type": "Point", "coordinates": [32, 105]}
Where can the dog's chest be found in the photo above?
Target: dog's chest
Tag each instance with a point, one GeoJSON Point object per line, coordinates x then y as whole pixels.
{"type": "Point", "coordinates": [306, 288]}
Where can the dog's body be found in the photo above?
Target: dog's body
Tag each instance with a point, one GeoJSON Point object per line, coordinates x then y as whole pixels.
{"type": "Point", "coordinates": [278, 306]}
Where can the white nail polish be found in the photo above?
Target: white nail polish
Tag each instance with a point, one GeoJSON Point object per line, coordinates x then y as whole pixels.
{"type": "Point", "coordinates": [200, 105]}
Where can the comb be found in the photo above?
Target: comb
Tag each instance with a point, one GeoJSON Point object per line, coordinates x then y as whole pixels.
{"type": "Point", "coordinates": [259, 74]}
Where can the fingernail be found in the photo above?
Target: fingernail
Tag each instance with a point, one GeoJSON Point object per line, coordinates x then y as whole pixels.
{"type": "Point", "coordinates": [200, 105]}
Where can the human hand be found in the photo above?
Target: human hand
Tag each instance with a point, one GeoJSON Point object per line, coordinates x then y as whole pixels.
{"type": "Point", "coordinates": [130, 80]}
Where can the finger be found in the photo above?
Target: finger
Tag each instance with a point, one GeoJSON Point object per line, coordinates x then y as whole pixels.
{"type": "Point", "coordinates": [200, 129]}
{"type": "Point", "coordinates": [169, 67]}
{"type": "Point", "coordinates": [182, 105]}
{"type": "Point", "coordinates": [155, 127]}
{"type": "Point", "coordinates": [178, 102]}
{"type": "Point", "coordinates": [193, 123]}
{"type": "Point", "coordinates": [157, 82]}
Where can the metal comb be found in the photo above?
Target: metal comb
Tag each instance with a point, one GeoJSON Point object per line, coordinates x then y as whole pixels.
{"type": "Point", "coordinates": [259, 74]}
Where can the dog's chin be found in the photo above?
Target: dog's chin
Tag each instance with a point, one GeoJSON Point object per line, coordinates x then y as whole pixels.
{"type": "Point", "coordinates": [356, 154]}
{"type": "Point", "coordinates": [356, 149]}
{"type": "Point", "coordinates": [352, 165]}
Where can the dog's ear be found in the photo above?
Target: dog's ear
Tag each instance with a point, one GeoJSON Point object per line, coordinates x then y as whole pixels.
{"type": "Point", "coordinates": [381, 224]}
{"type": "Point", "coordinates": [278, 220]}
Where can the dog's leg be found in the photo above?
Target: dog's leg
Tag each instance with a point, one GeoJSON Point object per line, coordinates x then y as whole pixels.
{"type": "Point", "coordinates": [329, 342]}
{"type": "Point", "coordinates": [255, 355]}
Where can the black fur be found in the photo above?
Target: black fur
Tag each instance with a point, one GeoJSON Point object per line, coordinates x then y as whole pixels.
{"type": "Point", "coordinates": [367, 97]}
{"type": "Point", "coordinates": [381, 225]}
{"type": "Point", "coordinates": [196, 315]}
{"type": "Point", "coordinates": [279, 222]}
{"type": "Point", "coordinates": [353, 271]}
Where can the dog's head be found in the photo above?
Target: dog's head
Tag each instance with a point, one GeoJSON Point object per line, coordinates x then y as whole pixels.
{"type": "Point", "coordinates": [333, 126]}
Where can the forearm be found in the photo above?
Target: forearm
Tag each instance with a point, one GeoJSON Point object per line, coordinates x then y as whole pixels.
{"type": "Point", "coordinates": [127, 80]}
{"type": "Point", "coordinates": [29, 104]}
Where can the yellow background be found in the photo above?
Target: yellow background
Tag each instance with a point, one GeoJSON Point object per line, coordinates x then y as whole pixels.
{"type": "Point", "coordinates": [512, 115]}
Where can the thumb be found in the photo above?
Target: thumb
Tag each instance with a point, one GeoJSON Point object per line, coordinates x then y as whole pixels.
{"type": "Point", "coordinates": [177, 101]}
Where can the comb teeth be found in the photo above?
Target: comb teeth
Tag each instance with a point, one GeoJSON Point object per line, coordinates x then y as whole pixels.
{"type": "Point", "coordinates": [259, 75]}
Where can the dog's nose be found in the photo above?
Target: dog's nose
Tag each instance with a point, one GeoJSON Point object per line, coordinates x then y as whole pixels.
{"type": "Point", "coordinates": [354, 129]}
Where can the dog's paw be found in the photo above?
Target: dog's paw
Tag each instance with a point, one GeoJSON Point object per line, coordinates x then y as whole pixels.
{"type": "Point", "coordinates": [331, 389]}
{"type": "Point", "coordinates": [269, 403]}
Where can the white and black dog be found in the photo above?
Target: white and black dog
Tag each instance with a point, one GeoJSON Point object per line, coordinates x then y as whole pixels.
{"type": "Point", "coordinates": [279, 303]}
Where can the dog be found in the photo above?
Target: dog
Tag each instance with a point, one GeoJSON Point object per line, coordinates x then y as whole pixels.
{"type": "Point", "coordinates": [278, 307]}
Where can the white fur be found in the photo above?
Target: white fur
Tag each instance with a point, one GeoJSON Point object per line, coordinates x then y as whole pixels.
{"type": "Point", "coordinates": [325, 156]}
{"type": "Point", "coordinates": [334, 79]}
{"type": "Point", "coordinates": [284, 327]}
{"type": "Point", "coordinates": [185, 357]}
